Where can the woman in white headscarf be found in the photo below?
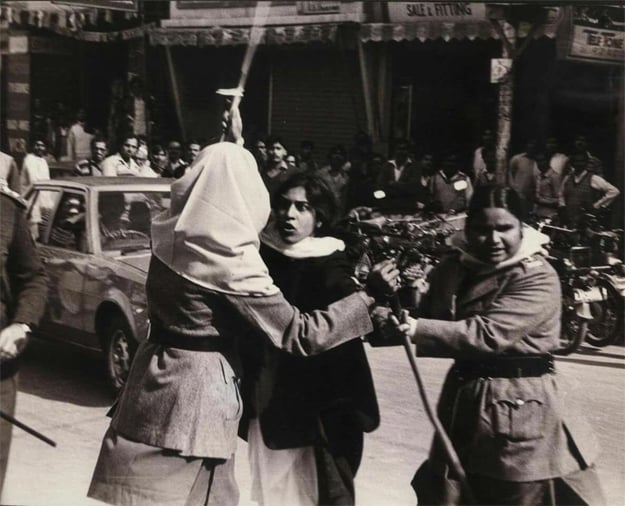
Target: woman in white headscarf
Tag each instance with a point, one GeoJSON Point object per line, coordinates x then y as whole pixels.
{"type": "Point", "coordinates": [173, 433]}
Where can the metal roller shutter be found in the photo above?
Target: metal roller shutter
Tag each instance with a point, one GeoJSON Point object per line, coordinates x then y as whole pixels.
{"type": "Point", "coordinates": [317, 96]}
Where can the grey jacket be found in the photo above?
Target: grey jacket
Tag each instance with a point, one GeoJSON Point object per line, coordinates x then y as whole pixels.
{"type": "Point", "coordinates": [189, 400]}
{"type": "Point", "coordinates": [516, 429]}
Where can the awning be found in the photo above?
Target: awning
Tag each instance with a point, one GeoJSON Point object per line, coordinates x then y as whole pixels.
{"type": "Point", "coordinates": [69, 20]}
{"type": "Point", "coordinates": [220, 36]}
{"type": "Point", "coordinates": [432, 30]}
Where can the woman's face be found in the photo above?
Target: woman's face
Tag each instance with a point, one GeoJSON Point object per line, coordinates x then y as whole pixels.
{"type": "Point", "coordinates": [494, 235]}
{"type": "Point", "coordinates": [296, 219]}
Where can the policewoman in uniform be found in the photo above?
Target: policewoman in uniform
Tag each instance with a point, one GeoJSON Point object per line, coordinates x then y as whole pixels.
{"type": "Point", "coordinates": [494, 307]}
{"type": "Point", "coordinates": [23, 287]}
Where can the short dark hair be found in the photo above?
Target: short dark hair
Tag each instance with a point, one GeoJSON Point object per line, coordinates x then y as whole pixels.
{"type": "Point", "coordinates": [126, 138]}
{"type": "Point", "coordinates": [274, 139]}
{"type": "Point", "coordinates": [495, 195]}
{"type": "Point", "coordinates": [319, 196]}
{"type": "Point", "coordinates": [96, 139]}
{"type": "Point", "coordinates": [337, 149]}
{"type": "Point", "coordinates": [157, 148]}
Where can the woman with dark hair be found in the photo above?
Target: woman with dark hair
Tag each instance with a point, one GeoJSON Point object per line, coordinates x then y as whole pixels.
{"type": "Point", "coordinates": [306, 416]}
{"type": "Point", "coordinates": [173, 431]}
{"type": "Point", "coordinates": [494, 307]}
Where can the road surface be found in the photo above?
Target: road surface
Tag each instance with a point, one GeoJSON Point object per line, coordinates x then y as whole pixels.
{"type": "Point", "coordinates": [63, 394]}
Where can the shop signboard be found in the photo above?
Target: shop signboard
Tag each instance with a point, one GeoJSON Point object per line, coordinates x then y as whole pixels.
{"type": "Point", "coordinates": [413, 12]}
{"type": "Point", "coordinates": [114, 5]}
{"type": "Point", "coordinates": [306, 8]}
{"type": "Point", "coordinates": [212, 4]}
{"type": "Point", "coordinates": [597, 34]}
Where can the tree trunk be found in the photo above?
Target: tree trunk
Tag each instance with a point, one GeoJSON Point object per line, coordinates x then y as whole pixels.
{"type": "Point", "coordinates": [504, 110]}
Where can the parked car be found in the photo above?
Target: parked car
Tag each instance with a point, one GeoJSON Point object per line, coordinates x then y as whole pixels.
{"type": "Point", "coordinates": [93, 234]}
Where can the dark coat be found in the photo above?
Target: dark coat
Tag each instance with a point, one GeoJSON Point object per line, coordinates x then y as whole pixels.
{"type": "Point", "coordinates": [189, 400]}
{"type": "Point", "coordinates": [514, 429]}
{"type": "Point", "coordinates": [23, 281]}
{"type": "Point", "coordinates": [290, 395]}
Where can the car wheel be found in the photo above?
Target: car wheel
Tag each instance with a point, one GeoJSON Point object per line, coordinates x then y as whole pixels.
{"type": "Point", "coordinates": [119, 349]}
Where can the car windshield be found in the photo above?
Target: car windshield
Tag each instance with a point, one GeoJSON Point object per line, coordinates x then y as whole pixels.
{"type": "Point", "coordinates": [125, 218]}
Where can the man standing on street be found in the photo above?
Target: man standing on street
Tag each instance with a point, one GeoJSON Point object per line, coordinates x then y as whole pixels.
{"type": "Point", "coordinates": [176, 166]}
{"type": "Point", "coordinates": [23, 287]}
{"type": "Point", "coordinates": [122, 163]}
{"type": "Point", "coordinates": [276, 170]}
{"type": "Point", "coordinates": [78, 140]}
{"type": "Point", "coordinates": [93, 165]}
{"type": "Point", "coordinates": [34, 166]}
{"type": "Point", "coordinates": [9, 173]}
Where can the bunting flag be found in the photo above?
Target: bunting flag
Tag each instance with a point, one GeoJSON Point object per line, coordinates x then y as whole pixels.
{"type": "Point", "coordinates": [66, 20]}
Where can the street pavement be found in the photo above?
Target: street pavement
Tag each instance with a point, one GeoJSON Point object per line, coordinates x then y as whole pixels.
{"type": "Point", "coordinates": [63, 394]}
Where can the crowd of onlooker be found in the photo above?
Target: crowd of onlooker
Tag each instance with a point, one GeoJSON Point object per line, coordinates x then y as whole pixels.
{"type": "Point", "coordinates": [554, 183]}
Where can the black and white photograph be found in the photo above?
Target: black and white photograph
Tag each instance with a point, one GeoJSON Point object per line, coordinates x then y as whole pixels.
{"type": "Point", "coordinates": [312, 253]}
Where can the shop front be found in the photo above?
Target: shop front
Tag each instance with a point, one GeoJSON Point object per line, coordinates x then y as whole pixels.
{"type": "Point", "coordinates": [59, 58]}
{"type": "Point", "coordinates": [442, 89]}
{"type": "Point", "coordinates": [304, 82]}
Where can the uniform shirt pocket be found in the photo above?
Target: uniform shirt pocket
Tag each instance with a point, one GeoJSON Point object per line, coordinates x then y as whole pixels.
{"type": "Point", "coordinates": [516, 409]}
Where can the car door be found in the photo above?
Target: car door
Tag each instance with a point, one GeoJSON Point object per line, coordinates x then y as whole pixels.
{"type": "Point", "coordinates": [42, 203]}
{"type": "Point", "coordinates": [67, 259]}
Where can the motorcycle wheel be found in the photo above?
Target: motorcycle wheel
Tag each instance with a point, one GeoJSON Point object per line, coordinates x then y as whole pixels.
{"type": "Point", "coordinates": [574, 330]}
{"type": "Point", "coordinates": [607, 322]}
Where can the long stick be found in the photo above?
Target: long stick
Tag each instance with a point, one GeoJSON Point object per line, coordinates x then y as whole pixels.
{"type": "Point", "coordinates": [176, 92]}
{"type": "Point", "coordinates": [448, 447]}
{"type": "Point", "coordinates": [260, 17]}
{"type": "Point", "coordinates": [26, 428]}
{"type": "Point", "coordinates": [256, 32]}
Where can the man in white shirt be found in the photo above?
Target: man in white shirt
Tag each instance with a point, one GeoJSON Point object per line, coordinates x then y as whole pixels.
{"type": "Point", "coordinates": [78, 140]}
{"type": "Point", "coordinates": [522, 171]}
{"type": "Point", "coordinates": [558, 162]}
{"type": "Point", "coordinates": [9, 173]}
{"type": "Point", "coordinates": [122, 163]}
{"type": "Point", "coordinates": [143, 163]}
{"type": "Point", "coordinates": [35, 167]}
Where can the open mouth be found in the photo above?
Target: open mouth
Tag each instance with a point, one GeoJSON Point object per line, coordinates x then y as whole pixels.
{"type": "Point", "coordinates": [286, 228]}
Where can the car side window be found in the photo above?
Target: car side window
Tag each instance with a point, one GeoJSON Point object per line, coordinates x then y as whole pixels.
{"type": "Point", "coordinates": [42, 206]}
{"type": "Point", "coordinates": [68, 227]}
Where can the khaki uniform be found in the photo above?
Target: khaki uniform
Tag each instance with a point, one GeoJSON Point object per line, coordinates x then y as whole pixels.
{"type": "Point", "coordinates": [513, 429]}
{"type": "Point", "coordinates": [22, 298]}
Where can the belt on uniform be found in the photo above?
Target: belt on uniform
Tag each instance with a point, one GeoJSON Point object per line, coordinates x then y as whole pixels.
{"type": "Point", "coordinates": [165, 337]}
{"type": "Point", "coordinates": [505, 367]}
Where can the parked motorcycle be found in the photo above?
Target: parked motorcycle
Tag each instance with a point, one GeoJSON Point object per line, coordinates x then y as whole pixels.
{"type": "Point", "coordinates": [588, 261]}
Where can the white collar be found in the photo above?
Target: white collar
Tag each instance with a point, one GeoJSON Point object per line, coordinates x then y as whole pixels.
{"type": "Point", "coordinates": [310, 247]}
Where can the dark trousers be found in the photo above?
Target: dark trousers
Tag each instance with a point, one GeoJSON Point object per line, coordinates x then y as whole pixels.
{"type": "Point", "coordinates": [338, 458]}
{"type": "Point", "coordinates": [130, 473]}
{"type": "Point", "coordinates": [8, 392]}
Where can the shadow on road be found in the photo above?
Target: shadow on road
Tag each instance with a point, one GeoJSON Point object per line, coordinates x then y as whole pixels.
{"type": "Point", "coordinates": [598, 352]}
{"type": "Point", "coordinates": [63, 373]}
{"type": "Point", "coordinates": [600, 363]}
